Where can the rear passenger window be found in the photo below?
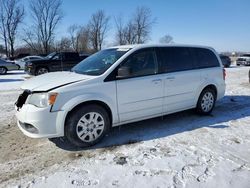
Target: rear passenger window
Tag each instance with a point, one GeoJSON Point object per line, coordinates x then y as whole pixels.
{"type": "Point", "coordinates": [175, 59]}
{"type": "Point", "coordinates": [206, 58]}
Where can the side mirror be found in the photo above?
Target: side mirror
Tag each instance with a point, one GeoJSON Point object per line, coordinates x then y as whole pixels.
{"type": "Point", "coordinates": [124, 72]}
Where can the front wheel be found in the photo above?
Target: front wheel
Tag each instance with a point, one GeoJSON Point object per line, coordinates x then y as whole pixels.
{"type": "Point", "coordinates": [87, 125]}
{"type": "Point", "coordinates": [3, 70]}
{"type": "Point", "coordinates": [41, 70]}
{"type": "Point", "coordinates": [206, 101]}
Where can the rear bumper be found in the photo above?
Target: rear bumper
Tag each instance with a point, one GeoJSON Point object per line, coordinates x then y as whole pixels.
{"type": "Point", "coordinates": [221, 91]}
{"type": "Point", "coordinates": [37, 122]}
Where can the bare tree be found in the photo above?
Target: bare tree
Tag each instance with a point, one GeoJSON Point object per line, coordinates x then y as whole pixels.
{"type": "Point", "coordinates": [73, 31]}
{"type": "Point", "coordinates": [120, 31]}
{"type": "Point", "coordinates": [137, 29]}
{"type": "Point", "coordinates": [98, 27]}
{"type": "Point", "coordinates": [84, 42]}
{"type": "Point", "coordinates": [130, 33]}
{"type": "Point", "coordinates": [32, 41]}
{"type": "Point", "coordinates": [11, 15]}
{"type": "Point", "coordinates": [3, 33]}
{"type": "Point", "coordinates": [143, 22]}
{"type": "Point", "coordinates": [80, 38]}
{"type": "Point", "coordinates": [46, 15]}
{"type": "Point", "coordinates": [167, 39]}
{"type": "Point", "coordinates": [63, 45]}
{"type": "Point", "coordinates": [2, 50]}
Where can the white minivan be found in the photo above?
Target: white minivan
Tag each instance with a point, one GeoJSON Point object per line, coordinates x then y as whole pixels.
{"type": "Point", "coordinates": [120, 85]}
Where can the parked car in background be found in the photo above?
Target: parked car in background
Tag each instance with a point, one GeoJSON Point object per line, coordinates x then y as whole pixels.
{"type": "Point", "coordinates": [21, 62]}
{"type": "Point", "coordinates": [120, 85]}
{"type": "Point", "coordinates": [226, 61]}
{"type": "Point", "coordinates": [7, 66]}
{"type": "Point", "coordinates": [61, 61]}
{"type": "Point", "coordinates": [19, 56]}
{"type": "Point", "coordinates": [243, 60]}
{"type": "Point", "coordinates": [84, 55]}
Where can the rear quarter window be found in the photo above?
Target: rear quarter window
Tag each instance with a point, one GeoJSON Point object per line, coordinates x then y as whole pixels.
{"type": "Point", "coordinates": [205, 58]}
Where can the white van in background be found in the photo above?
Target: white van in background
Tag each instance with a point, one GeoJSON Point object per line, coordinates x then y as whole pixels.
{"type": "Point", "coordinates": [120, 85]}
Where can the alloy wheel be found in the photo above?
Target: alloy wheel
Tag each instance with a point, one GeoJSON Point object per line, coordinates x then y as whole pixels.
{"type": "Point", "coordinates": [207, 102]}
{"type": "Point", "coordinates": [90, 126]}
{"type": "Point", "coordinates": [2, 70]}
{"type": "Point", "coordinates": [42, 71]}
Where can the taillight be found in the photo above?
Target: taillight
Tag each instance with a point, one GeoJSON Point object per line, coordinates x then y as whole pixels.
{"type": "Point", "coordinates": [224, 74]}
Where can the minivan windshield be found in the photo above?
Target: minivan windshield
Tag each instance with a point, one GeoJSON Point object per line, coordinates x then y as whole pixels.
{"type": "Point", "coordinates": [99, 62]}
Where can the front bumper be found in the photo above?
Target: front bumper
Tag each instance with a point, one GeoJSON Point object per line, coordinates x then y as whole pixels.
{"type": "Point", "coordinates": [37, 122]}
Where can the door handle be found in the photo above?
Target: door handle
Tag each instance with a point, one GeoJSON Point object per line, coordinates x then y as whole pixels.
{"type": "Point", "coordinates": [170, 78]}
{"type": "Point", "coordinates": [157, 80]}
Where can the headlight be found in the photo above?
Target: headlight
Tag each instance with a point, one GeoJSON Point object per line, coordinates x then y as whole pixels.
{"type": "Point", "coordinates": [42, 100]}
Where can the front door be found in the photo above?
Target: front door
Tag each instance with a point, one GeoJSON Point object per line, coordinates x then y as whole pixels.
{"type": "Point", "coordinates": [141, 94]}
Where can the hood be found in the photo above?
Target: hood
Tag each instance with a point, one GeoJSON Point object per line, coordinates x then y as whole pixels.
{"type": "Point", "coordinates": [52, 80]}
{"type": "Point", "coordinates": [39, 60]}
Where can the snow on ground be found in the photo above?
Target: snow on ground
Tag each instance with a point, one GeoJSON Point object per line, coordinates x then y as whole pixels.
{"type": "Point", "coordinates": [12, 80]}
{"type": "Point", "coordinates": [179, 150]}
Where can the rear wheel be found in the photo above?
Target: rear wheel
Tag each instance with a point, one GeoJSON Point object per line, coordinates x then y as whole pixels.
{"type": "Point", "coordinates": [3, 70]}
{"type": "Point", "coordinates": [206, 101]}
{"type": "Point", "coordinates": [87, 125]}
{"type": "Point", "coordinates": [42, 70]}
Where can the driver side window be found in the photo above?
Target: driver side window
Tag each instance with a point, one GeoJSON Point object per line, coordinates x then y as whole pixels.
{"type": "Point", "coordinates": [142, 63]}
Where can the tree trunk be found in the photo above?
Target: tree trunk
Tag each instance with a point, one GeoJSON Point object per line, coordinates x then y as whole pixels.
{"type": "Point", "coordinates": [6, 48]}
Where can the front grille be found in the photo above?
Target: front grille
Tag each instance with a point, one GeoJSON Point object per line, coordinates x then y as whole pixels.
{"type": "Point", "coordinates": [22, 99]}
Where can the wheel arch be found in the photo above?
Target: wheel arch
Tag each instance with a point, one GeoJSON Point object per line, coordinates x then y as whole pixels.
{"type": "Point", "coordinates": [41, 66]}
{"type": "Point", "coordinates": [212, 86]}
{"type": "Point", "coordinates": [95, 102]}
{"type": "Point", "coordinates": [4, 68]}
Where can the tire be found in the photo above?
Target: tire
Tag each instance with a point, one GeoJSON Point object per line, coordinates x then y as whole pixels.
{"type": "Point", "coordinates": [81, 129]}
{"type": "Point", "coordinates": [41, 70]}
{"type": "Point", "coordinates": [3, 70]}
{"type": "Point", "coordinates": [206, 101]}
